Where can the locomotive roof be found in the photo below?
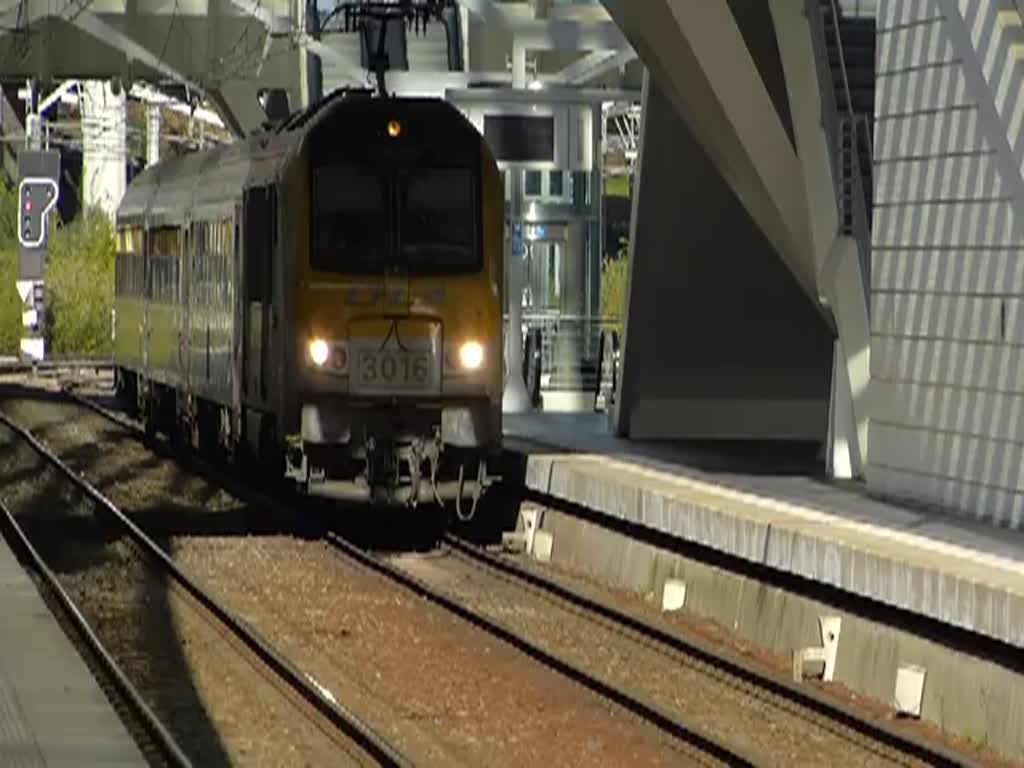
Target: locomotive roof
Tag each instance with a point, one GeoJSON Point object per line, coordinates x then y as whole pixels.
{"type": "Point", "coordinates": [214, 179]}
{"type": "Point", "coordinates": [163, 193]}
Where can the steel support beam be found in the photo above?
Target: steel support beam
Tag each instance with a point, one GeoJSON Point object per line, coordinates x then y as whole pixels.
{"type": "Point", "coordinates": [594, 65]}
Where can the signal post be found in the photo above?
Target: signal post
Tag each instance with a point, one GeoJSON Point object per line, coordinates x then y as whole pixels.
{"type": "Point", "coordinates": [38, 192]}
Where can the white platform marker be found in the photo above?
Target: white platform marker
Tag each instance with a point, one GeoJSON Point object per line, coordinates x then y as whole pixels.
{"type": "Point", "coordinates": [34, 349]}
{"type": "Point", "coordinates": [522, 541]}
{"type": "Point", "coordinates": [830, 626]}
{"type": "Point", "coordinates": [909, 689]}
{"type": "Point", "coordinates": [673, 597]}
{"type": "Point", "coordinates": [542, 545]}
{"type": "Point", "coordinates": [531, 521]}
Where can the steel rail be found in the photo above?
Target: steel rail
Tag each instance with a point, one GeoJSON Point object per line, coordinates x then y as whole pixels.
{"type": "Point", "coordinates": [648, 712]}
{"type": "Point", "coordinates": [167, 744]}
{"type": "Point", "coordinates": [804, 697]}
{"type": "Point", "coordinates": [347, 722]}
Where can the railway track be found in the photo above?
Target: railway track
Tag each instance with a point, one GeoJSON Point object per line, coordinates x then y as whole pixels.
{"type": "Point", "coordinates": [345, 735]}
{"type": "Point", "coordinates": [599, 707]}
{"type": "Point", "coordinates": [698, 748]}
{"type": "Point", "coordinates": [858, 731]}
{"type": "Point", "coordinates": [805, 701]}
{"type": "Point", "coordinates": [699, 744]}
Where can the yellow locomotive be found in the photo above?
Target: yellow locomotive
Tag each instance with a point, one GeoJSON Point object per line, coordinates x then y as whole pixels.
{"type": "Point", "coordinates": [326, 297]}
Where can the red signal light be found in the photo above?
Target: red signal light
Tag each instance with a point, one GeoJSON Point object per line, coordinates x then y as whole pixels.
{"type": "Point", "coordinates": [28, 205]}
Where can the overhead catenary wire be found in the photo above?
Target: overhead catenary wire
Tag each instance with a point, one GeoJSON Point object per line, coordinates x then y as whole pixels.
{"type": "Point", "coordinates": [237, 62]}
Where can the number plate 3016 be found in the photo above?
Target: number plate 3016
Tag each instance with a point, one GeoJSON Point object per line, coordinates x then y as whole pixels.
{"type": "Point", "coordinates": [394, 371]}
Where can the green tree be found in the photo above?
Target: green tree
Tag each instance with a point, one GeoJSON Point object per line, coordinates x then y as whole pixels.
{"type": "Point", "coordinates": [80, 286]}
{"type": "Point", "coordinates": [8, 216]}
{"type": "Point", "coordinates": [10, 304]}
{"type": "Point", "coordinates": [79, 283]}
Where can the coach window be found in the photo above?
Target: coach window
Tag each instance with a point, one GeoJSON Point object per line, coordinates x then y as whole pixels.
{"type": "Point", "coordinates": [202, 249]}
{"type": "Point", "coordinates": [210, 256]}
{"type": "Point", "coordinates": [174, 279]}
{"type": "Point", "coordinates": [138, 279]}
{"type": "Point", "coordinates": [226, 278]}
{"type": "Point", "coordinates": [128, 251]}
{"type": "Point", "coordinates": [162, 252]}
{"type": "Point", "coordinates": [212, 262]}
{"type": "Point", "coordinates": [226, 254]}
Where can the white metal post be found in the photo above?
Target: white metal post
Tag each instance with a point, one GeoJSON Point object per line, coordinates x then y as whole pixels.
{"type": "Point", "coordinates": [104, 145]}
{"type": "Point", "coordinates": [516, 399]}
{"type": "Point", "coordinates": [152, 134]}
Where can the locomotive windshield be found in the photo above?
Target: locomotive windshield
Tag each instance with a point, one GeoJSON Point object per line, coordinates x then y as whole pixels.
{"type": "Point", "coordinates": [423, 221]}
{"type": "Point", "coordinates": [352, 221]}
{"type": "Point", "coordinates": [437, 221]}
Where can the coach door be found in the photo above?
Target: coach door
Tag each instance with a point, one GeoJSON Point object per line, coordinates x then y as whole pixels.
{"type": "Point", "coordinates": [259, 244]}
{"type": "Point", "coordinates": [183, 301]}
{"type": "Point", "coordinates": [238, 318]}
{"type": "Point", "coordinates": [142, 283]}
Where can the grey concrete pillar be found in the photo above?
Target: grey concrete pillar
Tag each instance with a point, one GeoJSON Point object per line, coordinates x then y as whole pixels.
{"type": "Point", "coordinates": [710, 57]}
{"type": "Point", "coordinates": [720, 339]}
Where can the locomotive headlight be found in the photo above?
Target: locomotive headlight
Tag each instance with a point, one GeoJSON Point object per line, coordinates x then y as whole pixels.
{"type": "Point", "coordinates": [319, 351]}
{"type": "Point", "coordinates": [471, 355]}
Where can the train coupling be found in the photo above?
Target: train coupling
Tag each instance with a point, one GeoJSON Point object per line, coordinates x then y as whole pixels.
{"type": "Point", "coordinates": [405, 474]}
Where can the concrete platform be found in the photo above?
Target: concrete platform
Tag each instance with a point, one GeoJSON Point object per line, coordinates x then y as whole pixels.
{"type": "Point", "coordinates": [956, 571]}
{"type": "Point", "coordinates": [52, 711]}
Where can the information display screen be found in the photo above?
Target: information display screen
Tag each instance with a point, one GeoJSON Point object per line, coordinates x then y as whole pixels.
{"type": "Point", "coordinates": [521, 138]}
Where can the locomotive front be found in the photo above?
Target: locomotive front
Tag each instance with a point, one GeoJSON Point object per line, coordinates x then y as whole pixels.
{"type": "Point", "coordinates": [398, 306]}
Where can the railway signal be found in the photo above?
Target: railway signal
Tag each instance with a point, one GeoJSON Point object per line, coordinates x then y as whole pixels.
{"type": "Point", "coordinates": [36, 198]}
{"type": "Point", "coordinates": [38, 195]}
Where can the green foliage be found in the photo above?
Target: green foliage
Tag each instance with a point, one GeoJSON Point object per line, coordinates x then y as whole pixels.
{"type": "Point", "coordinates": [616, 186]}
{"type": "Point", "coordinates": [10, 304]}
{"type": "Point", "coordinates": [8, 217]}
{"type": "Point", "coordinates": [80, 287]}
{"type": "Point", "coordinates": [79, 283]}
{"type": "Point", "coordinates": [614, 276]}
